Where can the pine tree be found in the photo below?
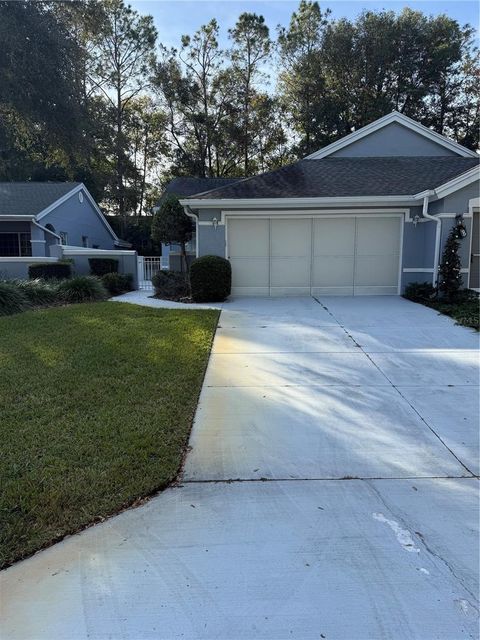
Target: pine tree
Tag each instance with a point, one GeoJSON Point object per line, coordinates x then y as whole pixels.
{"type": "Point", "coordinates": [450, 278]}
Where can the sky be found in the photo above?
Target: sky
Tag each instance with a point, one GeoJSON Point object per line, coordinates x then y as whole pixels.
{"type": "Point", "coordinates": [173, 18]}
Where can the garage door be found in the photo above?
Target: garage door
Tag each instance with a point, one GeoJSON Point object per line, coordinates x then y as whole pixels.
{"type": "Point", "coordinates": [351, 255]}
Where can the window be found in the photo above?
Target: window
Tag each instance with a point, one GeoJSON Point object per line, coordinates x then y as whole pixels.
{"type": "Point", "coordinates": [85, 241]}
{"type": "Point", "coordinates": [63, 237]}
{"type": "Point", "coordinates": [15, 244]}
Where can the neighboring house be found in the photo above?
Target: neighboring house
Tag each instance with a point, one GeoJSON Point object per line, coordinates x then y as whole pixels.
{"type": "Point", "coordinates": [182, 187]}
{"type": "Point", "coordinates": [365, 215]}
{"type": "Point", "coordinates": [36, 217]}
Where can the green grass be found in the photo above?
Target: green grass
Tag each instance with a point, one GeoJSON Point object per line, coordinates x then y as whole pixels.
{"type": "Point", "coordinates": [97, 404]}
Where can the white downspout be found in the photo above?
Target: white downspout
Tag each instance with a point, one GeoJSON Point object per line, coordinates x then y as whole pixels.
{"type": "Point", "coordinates": [438, 232]}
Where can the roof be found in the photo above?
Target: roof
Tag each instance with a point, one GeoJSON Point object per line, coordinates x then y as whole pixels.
{"type": "Point", "coordinates": [30, 198]}
{"type": "Point", "coordinates": [187, 186]}
{"type": "Point", "coordinates": [348, 177]}
{"type": "Point", "coordinates": [398, 118]}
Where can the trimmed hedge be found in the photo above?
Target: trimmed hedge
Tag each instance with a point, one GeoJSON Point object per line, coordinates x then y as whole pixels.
{"type": "Point", "coordinates": [171, 285]}
{"type": "Point", "coordinates": [12, 299]}
{"type": "Point", "coordinates": [82, 289]}
{"type": "Point", "coordinates": [49, 270]}
{"type": "Point", "coordinates": [101, 266]}
{"type": "Point", "coordinates": [210, 279]}
{"type": "Point", "coordinates": [117, 283]}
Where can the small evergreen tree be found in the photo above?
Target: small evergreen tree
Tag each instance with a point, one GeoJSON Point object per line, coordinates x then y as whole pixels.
{"type": "Point", "coordinates": [450, 277]}
{"type": "Point", "coordinates": [171, 225]}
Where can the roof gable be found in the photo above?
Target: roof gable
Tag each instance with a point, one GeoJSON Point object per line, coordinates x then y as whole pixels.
{"type": "Point", "coordinates": [393, 123]}
{"type": "Point", "coordinates": [30, 198]}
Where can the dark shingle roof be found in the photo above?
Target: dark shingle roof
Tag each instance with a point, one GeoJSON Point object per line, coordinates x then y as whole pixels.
{"type": "Point", "coordinates": [336, 177]}
{"type": "Point", "coordinates": [186, 186]}
{"type": "Point", "coordinates": [29, 198]}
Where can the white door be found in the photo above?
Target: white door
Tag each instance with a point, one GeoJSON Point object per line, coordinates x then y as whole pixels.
{"type": "Point", "coordinates": [343, 255]}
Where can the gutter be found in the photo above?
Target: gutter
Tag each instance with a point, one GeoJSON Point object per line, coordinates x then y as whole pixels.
{"type": "Point", "coordinates": [438, 232]}
{"type": "Point", "coordinates": [191, 214]}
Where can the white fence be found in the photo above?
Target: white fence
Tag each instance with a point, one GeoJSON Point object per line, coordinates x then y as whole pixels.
{"type": "Point", "coordinates": [147, 266]}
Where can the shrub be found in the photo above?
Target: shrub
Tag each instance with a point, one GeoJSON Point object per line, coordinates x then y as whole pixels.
{"type": "Point", "coordinates": [12, 299]}
{"type": "Point", "coordinates": [100, 266]}
{"type": "Point", "coordinates": [82, 289]}
{"type": "Point", "coordinates": [39, 293]}
{"type": "Point", "coordinates": [172, 285]}
{"type": "Point", "coordinates": [420, 291]}
{"type": "Point", "coordinates": [117, 283]}
{"type": "Point", "coordinates": [50, 270]}
{"type": "Point", "coordinates": [210, 279]}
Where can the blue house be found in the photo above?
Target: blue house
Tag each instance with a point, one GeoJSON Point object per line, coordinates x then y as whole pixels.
{"type": "Point", "coordinates": [43, 221]}
{"type": "Point", "coordinates": [366, 215]}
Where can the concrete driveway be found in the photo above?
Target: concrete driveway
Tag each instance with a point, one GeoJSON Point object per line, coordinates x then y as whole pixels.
{"type": "Point", "coordinates": [330, 492]}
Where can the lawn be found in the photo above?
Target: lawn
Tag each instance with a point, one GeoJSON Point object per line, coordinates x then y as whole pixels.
{"type": "Point", "coordinates": [97, 402]}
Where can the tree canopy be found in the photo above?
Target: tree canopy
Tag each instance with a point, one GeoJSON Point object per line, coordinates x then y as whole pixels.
{"type": "Point", "coordinates": [88, 93]}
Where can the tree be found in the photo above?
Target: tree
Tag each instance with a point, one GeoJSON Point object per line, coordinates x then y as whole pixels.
{"type": "Point", "coordinates": [251, 47]}
{"type": "Point", "coordinates": [171, 225]}
{"type": "Point", "coordinates": [124, 54]}
{"type": "Point", "coordinates": [450, 271]}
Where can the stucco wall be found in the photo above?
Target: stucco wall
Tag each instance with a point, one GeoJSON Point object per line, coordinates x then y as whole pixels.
{"type": "Point", "coordinates": [127, 262]}
{"type": "Point", "coordinates": [456, 202]}
{"type": "Point", "coordinates": [79, 219]}
{"type": "Point", "coordinates": [393, 140]}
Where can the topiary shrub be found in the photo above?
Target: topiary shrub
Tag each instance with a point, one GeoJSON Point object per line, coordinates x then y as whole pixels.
{"type": "Point", "coordinates": [82, 289]}
{"type": "Point", "coordinates": [50, 270]}
{"type": "Point", "coordinates": [100, 266]}
{"type": "Point", "coordinates": [171, 285]}
{"type": "Point", "coordinates": [210, 279]}
{"type": "Point", "coordinates": [39, 293]}
{"type": "Point", "coordinates": [117, 283]}
{"type": "Point", "coordinates": [420, 291]}
{"type": "Point", "coordinates": [12, 299]}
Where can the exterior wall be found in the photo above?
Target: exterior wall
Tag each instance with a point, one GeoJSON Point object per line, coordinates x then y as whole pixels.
{"type": "Point", "coordinates": [456, 202]}
{"type": "Point", "coordinates": [393, 140]}
{"type": "Point", "coordinates": [79, 219]}
{"type": "Point", "coordinates": [13, 268]}
{"type": "Point", "coordinates": [175, 260]}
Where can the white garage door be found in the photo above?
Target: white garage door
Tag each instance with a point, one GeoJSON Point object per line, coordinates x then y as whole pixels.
{"type": "Point", "coordinates": [354, 255]}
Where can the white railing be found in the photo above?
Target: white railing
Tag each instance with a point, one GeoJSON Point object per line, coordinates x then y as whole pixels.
{"type": "Point", "coordinates": [147, 266]}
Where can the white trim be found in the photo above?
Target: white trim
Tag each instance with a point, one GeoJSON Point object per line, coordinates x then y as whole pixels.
{"type": "Point", "coordinates": [45, 230]}
{"type": "Point", "coordinates": [34, 259]}
{"type": "Point", "coordinates": [390, 118]}
{"type": "Point", "coordinates": [427, 270]}
{"type": "Point", "coordinates": [305, 213]}
{"type": "Point", "coordinates": [64, 198]}
{"type": "Point", "coordinates": [42, 241]}
{"type": "Point", "coordinates": [453, 215]}
{"type": "Point", "coordinates": [281, 203]}
{"type": "Point", "coordinates": [14, 218]}
{"type": "Point", "coordinates": [474, 203]}
{"type": "Point", "coordinates": [463, 180]}
{"type": "Point", "coordinates": [81, 251]}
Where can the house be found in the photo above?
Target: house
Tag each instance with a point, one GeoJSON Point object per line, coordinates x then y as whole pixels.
{"type": "Point", "coordinates": [44, 221]}
{"type": "Point", "coordinates": [365, 215]}
{"type": "Point", "coordinates": [181, 187]}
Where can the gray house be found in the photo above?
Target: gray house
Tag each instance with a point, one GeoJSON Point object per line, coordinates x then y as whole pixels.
{"type": "Point", "coordinates": [365, 215]}
{"type": "Point", "coordinates": [44, 221]}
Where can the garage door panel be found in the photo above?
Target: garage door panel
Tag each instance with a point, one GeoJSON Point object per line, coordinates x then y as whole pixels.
{"type": "Point", "coordinates": [290, 238]}
{"type": "Point", "coordinates": [376, 270]}
{"type": "Point", "coordinates": [377, 236]}
{"type": "Point", "coordinates": [248, 238]}
{"type": "Point", "coordinates": [290, 272]}
{"type": "Point", "coordinates": [250, 272]}
{"type": "Point", "coordinates": [332, 271]}
{"type": "Point", "coordinates": [334, 236]}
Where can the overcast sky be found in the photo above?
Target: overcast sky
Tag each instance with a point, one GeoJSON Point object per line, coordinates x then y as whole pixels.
{"type": "Point", "coordinates": [174, 18]}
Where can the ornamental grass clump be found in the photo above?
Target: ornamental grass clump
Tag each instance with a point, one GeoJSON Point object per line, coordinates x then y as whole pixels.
{"type": "Point", "coordinates": [12, 299]}
{"type": "Point", "coordinates": [82, 289]}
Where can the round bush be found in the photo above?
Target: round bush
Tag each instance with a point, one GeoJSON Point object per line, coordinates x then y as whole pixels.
{"type": "Point", "coordinates": [40, 293]}
{"type": "Point", "coordinates": [12, 299]}
{"type": "Point", "coordinates": [210, 279]}
{"type": "Point", "coordinates": [171, 285]}
{"type": "Point", "coordinates": [117, 283]}
{"type": "Point", "coordinates": [82, 289]}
